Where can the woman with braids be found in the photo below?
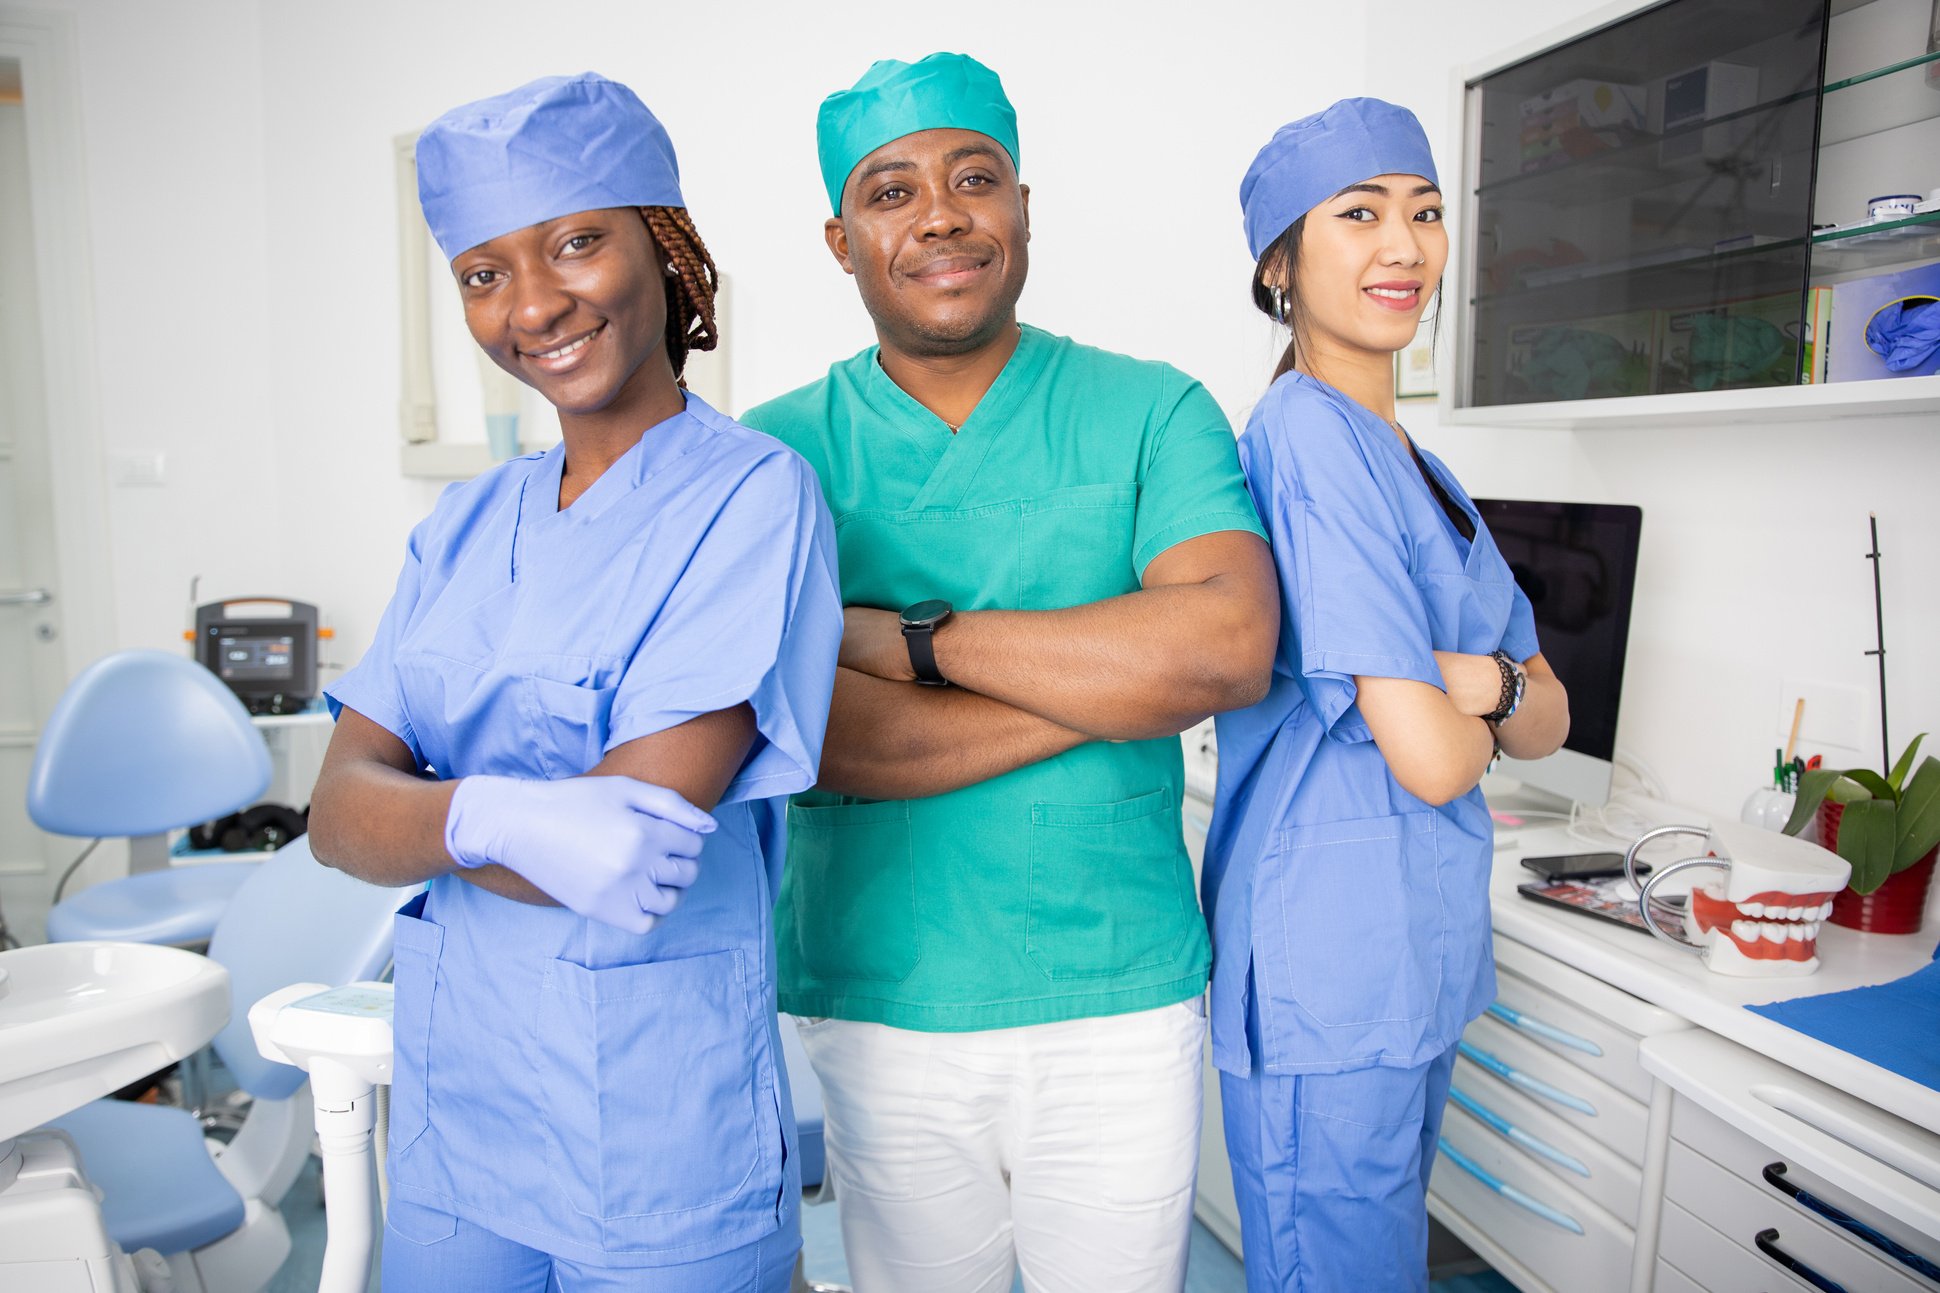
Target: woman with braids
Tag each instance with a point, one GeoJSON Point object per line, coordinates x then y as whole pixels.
{"type": "Point", "coordinates": [1347, 867]}
{"type": "Point", "coordinates": [604, 669]}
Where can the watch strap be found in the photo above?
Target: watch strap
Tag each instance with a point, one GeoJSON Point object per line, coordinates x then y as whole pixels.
{"type": "Point", "coordinates": [922, 654]}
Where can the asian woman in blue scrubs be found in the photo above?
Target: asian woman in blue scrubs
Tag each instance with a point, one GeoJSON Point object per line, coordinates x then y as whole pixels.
{"type": "Point", "coordinates": [604, 668]}
{"type": "Point", "coordinates": [1347, 868]}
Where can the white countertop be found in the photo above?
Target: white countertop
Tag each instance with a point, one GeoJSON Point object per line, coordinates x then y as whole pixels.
{"type": "Point", "coordinates": [1679, 982]}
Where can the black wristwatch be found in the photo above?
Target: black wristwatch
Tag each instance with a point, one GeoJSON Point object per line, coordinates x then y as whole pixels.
{"type": "Point", "coordinates": [919, 622]}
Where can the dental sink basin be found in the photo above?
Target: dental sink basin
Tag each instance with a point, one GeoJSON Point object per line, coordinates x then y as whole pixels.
{"type": "Point", "coordinates": [81, 1020]}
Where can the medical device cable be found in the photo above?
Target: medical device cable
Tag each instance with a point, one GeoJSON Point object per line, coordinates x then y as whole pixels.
{"type": "Point", "coordinates": [60, 886]}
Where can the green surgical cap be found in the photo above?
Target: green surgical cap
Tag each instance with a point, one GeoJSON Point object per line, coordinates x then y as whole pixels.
{"type": "Point", "coordinates": [894, 98]}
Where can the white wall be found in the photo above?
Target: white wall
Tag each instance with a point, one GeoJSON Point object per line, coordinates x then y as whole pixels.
{"type": "Point", "coordinates": [1751, 570]}
{"type": "Point", "coordinates": [171, 99]}
{"type": "Point", "coordinates": [239, 158]}
{"type": "Point", "coordinates": [1133, 135]}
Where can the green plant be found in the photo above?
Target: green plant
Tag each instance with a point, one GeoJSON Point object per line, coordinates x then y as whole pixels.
{"type": "Point", "coordinates": [1890, 822]}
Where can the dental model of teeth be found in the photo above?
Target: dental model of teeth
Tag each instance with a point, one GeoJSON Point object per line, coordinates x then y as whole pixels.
{"type": "Point", "coordinates": [1761, 918]}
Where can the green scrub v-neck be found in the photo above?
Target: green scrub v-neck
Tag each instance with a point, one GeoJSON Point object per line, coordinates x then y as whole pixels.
{"type": "Point", "coordinates": [1060, 890]}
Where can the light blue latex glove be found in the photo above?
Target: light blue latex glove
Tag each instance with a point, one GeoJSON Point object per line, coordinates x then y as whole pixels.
{"type": "Point", "coordinates": [612, 849]}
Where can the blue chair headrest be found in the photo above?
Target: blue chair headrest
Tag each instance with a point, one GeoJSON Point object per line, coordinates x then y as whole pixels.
{"type": "Point", "coordinates": [143, 742]}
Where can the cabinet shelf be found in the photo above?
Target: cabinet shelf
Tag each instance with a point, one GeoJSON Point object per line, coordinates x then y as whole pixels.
{"type": "Point", "coordinates": [1890, 242]}
{"type": "Point", "coordinates": [1641, 260]}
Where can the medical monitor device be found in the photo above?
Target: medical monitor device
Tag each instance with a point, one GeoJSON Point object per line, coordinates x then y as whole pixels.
{"type": "Point", "coordinates": [264, 648]}
{"type": "Point", "coordinates": [1577, 564]}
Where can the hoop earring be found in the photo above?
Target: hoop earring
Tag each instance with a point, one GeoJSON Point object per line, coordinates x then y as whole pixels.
{"type": "Point", "coordinates": [1278, 296]}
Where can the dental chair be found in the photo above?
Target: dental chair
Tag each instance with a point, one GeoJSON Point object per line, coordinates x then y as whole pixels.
{"type": "Point", "coordinates": [209, 1208]}
{"type": "Point", "coordinates": [142, 743]}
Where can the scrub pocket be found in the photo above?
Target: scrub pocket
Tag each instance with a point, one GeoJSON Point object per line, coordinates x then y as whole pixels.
{"type": "Point", "coordinates": [1468, 611]}
{"type": "Point", "coordinates": [1349, 925]}
{"type": "Point", "coordinates": [416, 948]}
{"type": "Point", "coordinates": [1078, 545]}
{"type": "Point", "coordinates": [852, 878]}
{"type": "Point", "coordinates": [1110, 887]}
{"type": "Point", "coordinates": [662, 1088]}
{"type": "Point", "coordinates": [567, 724]}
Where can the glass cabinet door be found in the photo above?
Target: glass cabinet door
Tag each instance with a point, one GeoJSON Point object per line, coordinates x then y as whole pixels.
{"type": "Point", "coordinates": [1640, 207]}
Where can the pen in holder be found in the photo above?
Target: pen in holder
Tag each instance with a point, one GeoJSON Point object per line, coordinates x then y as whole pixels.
{"type": "Point", "coordinates": [1759, 915]}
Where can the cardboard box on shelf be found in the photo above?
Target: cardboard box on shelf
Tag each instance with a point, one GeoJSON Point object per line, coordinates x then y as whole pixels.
{"type": "Point", "coordinates": [1736, 344]}
{"type": "Point", "coordinates": [1854, 303]}
{"type": "Point", "coordinates": [1577, 359]}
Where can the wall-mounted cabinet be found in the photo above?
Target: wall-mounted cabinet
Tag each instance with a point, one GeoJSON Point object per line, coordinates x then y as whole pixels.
{"type": "Point", "coordinates": [1666, 212]}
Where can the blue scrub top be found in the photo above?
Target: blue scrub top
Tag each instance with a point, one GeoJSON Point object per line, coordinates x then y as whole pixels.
{"type": "Point", "coordinates": [1349, 917]}
{"type": "Point", "coordinates": [603, 1096]}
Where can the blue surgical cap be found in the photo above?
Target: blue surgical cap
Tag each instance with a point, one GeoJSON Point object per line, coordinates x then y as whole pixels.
{"type": "Point", "coordinates": [1309, 160]}
{"type": "Point", "coordinates": [554, 147]}
{"type": "Point", "coordinates": [1905, 333]}
{"type": "Point", "coordinates": [894, 98]}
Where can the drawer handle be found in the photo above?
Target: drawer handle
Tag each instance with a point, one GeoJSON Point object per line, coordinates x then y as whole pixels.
{"type": "Point", "coordinates": [1549, 1032]}
{"type": "Point", "coordinates": [1767, 1241]}
{"type": "Point", "coordinates": [1517, 1078]}
{"type": "Point", "coordinates": [1552, 1215]}
{"type": "Point", "coordinates": [1514, 1134]}
{"type": "Point", "coordinates": [1776, 1178]}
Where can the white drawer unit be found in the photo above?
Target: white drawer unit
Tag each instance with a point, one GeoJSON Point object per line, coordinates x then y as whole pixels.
{"type": "Point", "coordinates": [1587, 1103]}
{"type": "Point", "coordinates": [1577, 1160]}
{"type": "Point", "coordinates": [1790, 1176]}
{"type": "Point", "coordinates": [1798, 1191]}
{"type": "Point", "coordinates": [1777, 1231]}
{"type": "Point", "coordinates": [1672, 1280]}
{"type": "Point", "coordinates": [1577, 1018]}
{"type": "Point", "coordinates": [1538, 1231]}
{"type": "Point", "coordinates": [1708, 1260]}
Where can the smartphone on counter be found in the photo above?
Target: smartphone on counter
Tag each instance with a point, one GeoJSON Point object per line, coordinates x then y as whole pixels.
{"type": "Point", "coordinates": [1580, 866]}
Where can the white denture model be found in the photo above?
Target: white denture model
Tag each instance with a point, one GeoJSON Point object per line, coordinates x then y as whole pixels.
{"type": "Point", "coordinates": [1761, 918]}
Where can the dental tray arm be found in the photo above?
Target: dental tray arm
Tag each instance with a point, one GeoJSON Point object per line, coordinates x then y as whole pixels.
{"type": "Point", "coordinates": [342, 1038]}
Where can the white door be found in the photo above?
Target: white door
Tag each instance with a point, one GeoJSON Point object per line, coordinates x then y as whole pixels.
{"type": "Point", "coordinates": [31, 662]}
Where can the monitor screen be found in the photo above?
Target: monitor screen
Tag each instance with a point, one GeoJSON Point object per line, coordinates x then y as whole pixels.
{"type": "Point", "coordinates": [1577, 564]}
{"type": "Point", "coordinates": [242, 657]}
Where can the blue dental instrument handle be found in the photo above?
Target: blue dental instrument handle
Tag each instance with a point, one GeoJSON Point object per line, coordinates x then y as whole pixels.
{"type": "Point", "coordinates": [1550, 1032]}
{"type": "Point", "coordinates": [1514, 1077]}
{"type": "Point", "coordinates": [1514, 1134]}
{"type": "Point", "coordinates": [1508, 1191]}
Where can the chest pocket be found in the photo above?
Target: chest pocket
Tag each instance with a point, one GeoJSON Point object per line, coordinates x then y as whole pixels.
{"type": "Point", "coordinates": [1078, 545]}
{"type": "Point", "coordinates": [972, 558]}
{"type": "Point", "coordinates": [1466, 613]}
{"type": "Point", "coordinates": [566, 723]}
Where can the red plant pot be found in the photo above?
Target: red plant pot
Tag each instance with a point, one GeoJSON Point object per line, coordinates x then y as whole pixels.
{"type": "Point", "coordinates": [1896, 907]}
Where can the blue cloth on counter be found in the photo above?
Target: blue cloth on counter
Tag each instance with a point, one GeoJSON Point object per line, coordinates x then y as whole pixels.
{"type": "Point", "coordinates": [1894, 1025]}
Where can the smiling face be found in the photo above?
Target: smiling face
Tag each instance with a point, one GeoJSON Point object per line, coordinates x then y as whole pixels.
{"type": "Point", "coordinates": [1369, 259]}
{"type": "Point", "coordinates": [575, 308]}
{"type": "Point", "coordinates": [934, 227]}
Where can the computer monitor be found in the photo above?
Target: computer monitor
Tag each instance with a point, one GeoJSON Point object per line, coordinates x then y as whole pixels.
{"type": "Point", "coordinates": [1577, 563]}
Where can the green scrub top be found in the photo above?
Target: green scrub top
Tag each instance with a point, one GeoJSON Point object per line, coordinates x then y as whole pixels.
{"type": "Point", "coordinates": [1060, 890]}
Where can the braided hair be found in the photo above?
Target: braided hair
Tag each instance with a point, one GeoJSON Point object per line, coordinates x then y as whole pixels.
{"type": "Point", "coordinates": [691, 324]}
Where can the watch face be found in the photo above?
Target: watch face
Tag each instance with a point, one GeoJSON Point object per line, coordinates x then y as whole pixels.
{"type": "Point", "coordinates": [926, 612]}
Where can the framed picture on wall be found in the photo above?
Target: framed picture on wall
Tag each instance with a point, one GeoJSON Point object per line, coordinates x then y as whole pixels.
{"type": "Point", "coordinates": [1414, 367]}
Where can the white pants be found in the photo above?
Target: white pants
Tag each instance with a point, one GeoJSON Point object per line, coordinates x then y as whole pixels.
{"type": "Point", "coordinates": [1069, 1149]}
